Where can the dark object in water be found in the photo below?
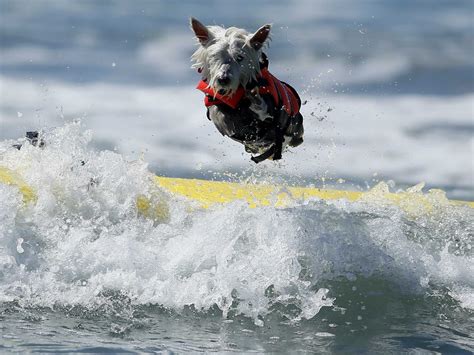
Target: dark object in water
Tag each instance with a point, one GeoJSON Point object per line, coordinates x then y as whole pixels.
{"type": "Point", "coordinates": [33, 138]}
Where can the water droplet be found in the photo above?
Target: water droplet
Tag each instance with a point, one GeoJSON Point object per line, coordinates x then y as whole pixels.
{"type": "Point", "coordinates": [19, 248]}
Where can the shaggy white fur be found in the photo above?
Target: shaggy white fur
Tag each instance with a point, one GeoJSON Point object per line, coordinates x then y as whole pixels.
{"type": "Point", "coordinates": [228, 57]}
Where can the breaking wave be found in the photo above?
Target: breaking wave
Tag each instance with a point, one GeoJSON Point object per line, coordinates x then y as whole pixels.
{"type": "Point", "coordinates": [83, 243]}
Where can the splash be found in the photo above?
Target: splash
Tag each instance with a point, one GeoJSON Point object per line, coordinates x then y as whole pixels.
{"type": "Point", "coordinates": [83, 242]}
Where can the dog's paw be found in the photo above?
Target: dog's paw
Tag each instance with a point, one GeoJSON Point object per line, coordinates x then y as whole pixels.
{"type": "Point", "coordinates": [295, 141]}
{"type": "Point", "coordinates": [258, 105]}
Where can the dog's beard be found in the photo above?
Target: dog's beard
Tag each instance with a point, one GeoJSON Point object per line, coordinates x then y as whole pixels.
{"type": "Point", "coordinates": [244, 76]}
{"type": "Point", "coordinates": [227, 90]}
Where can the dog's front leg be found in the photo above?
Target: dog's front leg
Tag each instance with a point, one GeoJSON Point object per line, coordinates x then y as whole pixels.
{"type": "Point", "coordinates": [258, 105]}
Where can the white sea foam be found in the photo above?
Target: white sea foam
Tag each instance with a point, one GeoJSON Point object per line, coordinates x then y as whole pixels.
{"type": "Point", "coordinates": [83, 239]}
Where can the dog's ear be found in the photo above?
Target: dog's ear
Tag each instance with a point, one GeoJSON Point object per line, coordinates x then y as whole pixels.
{"type": "Point", "coordinates": [259, 37]}
{"type": "Point", "coordinates": [201, 31]}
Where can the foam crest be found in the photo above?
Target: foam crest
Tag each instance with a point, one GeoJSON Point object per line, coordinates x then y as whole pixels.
{"type": "Point", "coordinates": [83, 242]}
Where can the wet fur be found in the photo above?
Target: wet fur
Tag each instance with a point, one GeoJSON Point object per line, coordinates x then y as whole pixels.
{"type": "Point", "coordinates": [235, 53]}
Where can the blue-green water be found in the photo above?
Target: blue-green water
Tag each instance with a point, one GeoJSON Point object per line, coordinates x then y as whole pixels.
{"type": "Point", "coordinates": [377, 320]}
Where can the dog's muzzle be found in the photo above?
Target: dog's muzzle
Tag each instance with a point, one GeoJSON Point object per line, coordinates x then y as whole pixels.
{"type": "Point", "coordinates": [224, 79]}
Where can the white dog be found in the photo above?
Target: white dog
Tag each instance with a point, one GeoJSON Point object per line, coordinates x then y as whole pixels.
{"type": "Point", "coordinates": [245, 101]}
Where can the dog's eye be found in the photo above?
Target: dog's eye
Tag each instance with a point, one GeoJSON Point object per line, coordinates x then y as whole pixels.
{"type": "Point", "coordinates": [239, 58]}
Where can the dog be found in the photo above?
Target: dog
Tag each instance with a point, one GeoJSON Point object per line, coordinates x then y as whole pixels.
{"type": "Point", "coordinates": [243, 100]}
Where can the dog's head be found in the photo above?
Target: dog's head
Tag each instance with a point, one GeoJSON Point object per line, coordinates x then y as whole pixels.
{"type": "Point", "coordinates": [228, 57]}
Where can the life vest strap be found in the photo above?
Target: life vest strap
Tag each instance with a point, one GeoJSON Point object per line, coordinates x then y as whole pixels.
{"type": "Point", "coordinates": [211, 98]}
{"type": "Point", "coordinates": [283, 95]}
{"type": "Point", "coordinates": [264, 156]}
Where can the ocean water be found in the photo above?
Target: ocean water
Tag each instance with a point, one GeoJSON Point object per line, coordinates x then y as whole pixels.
{"type": "Point", "coordinates": [82, 271]}
{"type": "Point", "coordinates": [388, 89]}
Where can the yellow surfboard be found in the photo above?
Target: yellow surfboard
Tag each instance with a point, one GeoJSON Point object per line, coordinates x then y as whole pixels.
{"type": "Point", "coordinates": [9, 177]}
{"type": "Point", "coordinates": [207, 193]}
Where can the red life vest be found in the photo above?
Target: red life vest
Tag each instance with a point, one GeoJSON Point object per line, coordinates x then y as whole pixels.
{"type": "Point", "coordinates": [283, 94]}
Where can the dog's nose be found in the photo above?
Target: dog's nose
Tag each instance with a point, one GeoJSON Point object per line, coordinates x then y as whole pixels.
{"type": "Point", "coordinates": [224, 80]}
